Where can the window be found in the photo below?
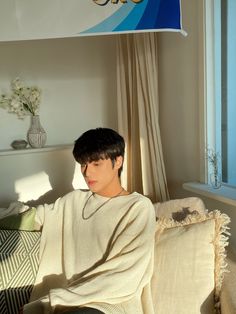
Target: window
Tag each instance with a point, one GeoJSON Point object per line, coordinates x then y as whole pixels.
{"type": "Point", "coordinates": [221, 84]}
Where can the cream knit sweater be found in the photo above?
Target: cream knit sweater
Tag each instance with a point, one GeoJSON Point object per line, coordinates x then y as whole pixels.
{"type": "Point", "coordinates": [104, 262]}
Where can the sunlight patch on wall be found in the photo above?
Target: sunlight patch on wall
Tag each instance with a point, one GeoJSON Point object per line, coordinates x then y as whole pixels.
{"type": "Point", "coordinates": [32, 187]}
{"type": "Point", "coordinates": [78, 179]}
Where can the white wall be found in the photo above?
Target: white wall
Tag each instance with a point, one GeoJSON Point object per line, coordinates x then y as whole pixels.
{"type": "Point", "coordinates": [179, 103]}
{"type": "Point", "coordinates": [78, 80]}
{"type": "Point", "coordinates": [42, 175]}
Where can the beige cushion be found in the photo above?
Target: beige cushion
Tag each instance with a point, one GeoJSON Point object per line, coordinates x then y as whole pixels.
{"type": "Point", "coordinates": [189, 263]}
{"type": "Point", "coordinates": [182, 206]}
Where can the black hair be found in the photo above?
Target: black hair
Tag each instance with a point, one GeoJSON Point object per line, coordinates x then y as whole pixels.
{"type": "Point", "coordinates": [99, 143]}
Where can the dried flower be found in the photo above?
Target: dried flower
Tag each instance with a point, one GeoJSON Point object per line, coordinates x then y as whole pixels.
{"type": "Point", "coordinates": [23, 101]}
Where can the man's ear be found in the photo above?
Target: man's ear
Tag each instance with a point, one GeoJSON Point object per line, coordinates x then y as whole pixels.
{"type": "Point", "coordinates": [118, 162]}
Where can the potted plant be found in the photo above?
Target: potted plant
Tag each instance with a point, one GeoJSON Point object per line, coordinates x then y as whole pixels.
{"type": "Point", "coordinates": [24, 101]}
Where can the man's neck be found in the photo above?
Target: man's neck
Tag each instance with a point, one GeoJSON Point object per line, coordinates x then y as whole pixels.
{"type": "Point", "coordinates": [111, 192]}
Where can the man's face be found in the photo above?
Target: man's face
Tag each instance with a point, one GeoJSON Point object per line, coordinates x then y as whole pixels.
{"type": "Point", "coordinates": [101, 176]}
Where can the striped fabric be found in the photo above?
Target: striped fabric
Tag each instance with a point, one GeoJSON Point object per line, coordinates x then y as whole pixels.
{"type": "Point", "coordinates": [18, 268]}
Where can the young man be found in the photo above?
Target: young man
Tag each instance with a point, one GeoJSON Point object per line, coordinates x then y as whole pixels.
{"type": "Point", "coordinates": [97, 245]}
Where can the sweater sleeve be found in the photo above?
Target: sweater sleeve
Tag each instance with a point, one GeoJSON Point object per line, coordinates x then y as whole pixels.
{"type": "Point", "coordinates": [125, 269]}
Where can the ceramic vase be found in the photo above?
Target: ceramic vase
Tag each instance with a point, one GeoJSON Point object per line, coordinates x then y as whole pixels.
{"type": "Point", "coordinates": [36, 134]}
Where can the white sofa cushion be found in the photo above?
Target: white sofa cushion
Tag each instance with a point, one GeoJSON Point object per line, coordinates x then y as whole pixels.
{"type": "Point", "coordinates": [179, 207]}
{"type": "Point", "coordinates": [189, 263]}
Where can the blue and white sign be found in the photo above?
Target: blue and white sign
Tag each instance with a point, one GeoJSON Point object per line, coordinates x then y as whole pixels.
{"type": "Point", "coordinates": [34, 19]}
{"type": "Point", "coordinates": [138, 15]}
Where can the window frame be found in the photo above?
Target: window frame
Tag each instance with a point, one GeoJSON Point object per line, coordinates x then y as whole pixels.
{"type": "Point", "coordinates": [213, 113]}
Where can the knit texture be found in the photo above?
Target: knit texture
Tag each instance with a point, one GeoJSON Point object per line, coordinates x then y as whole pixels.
{"type": "Point", "coordinates": [105, 261]}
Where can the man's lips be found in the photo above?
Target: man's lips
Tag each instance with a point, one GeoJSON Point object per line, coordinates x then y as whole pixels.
{"type": "Point", "coordinates": [91, 182]}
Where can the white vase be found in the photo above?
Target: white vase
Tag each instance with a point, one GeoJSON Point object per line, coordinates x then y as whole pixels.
{"type": "Point", "coordinates": [36, 134]}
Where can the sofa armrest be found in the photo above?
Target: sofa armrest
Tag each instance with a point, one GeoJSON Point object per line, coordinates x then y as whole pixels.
{"type": "Point", "coordinates": [228, 291]}
{"type": "Point", "coordinates": [182, 206]}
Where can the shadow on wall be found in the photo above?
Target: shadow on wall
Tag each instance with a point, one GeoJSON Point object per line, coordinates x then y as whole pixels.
{"type": "Point", "coordinates": [36, 178]}
{"type": "Point", "coordinates": [57, 180]}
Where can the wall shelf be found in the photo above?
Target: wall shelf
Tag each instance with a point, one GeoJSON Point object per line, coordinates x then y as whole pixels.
{"type": "Point", "coordinates": [29, 150]}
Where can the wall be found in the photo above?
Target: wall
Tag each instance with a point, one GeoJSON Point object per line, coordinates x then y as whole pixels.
{"type": "Point", "coordinates": [181, 107]}
{"type": "Point", "coordinates": [179, 103]}
{"type": "Point", "coordinates": [78, 81]}
{"type": "Point", "coordinates": [77, 78]}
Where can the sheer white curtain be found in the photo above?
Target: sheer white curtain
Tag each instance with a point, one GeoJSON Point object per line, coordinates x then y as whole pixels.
{"type": "Point", "coordinates": [138, 116]}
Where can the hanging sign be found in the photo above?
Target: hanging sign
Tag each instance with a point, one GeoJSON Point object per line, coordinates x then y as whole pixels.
{"type": "Point", "coordinates": [33, 19]}
{"type": "Point", "coordinates": [136, 16]}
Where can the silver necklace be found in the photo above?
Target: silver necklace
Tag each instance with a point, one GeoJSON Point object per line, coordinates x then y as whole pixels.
{"type": "Point", "coordinates": [94, 212]}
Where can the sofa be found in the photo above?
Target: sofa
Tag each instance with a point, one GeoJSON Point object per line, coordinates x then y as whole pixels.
{"type": "Point", "coordinates": [193, 272]}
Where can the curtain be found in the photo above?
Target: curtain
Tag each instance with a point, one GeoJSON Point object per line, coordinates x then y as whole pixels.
{"type": "Point", "coordinates": [138, 115]}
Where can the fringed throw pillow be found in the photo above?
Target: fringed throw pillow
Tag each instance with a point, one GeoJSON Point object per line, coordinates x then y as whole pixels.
{"type": "Point", "coordinates": [189, 264]}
